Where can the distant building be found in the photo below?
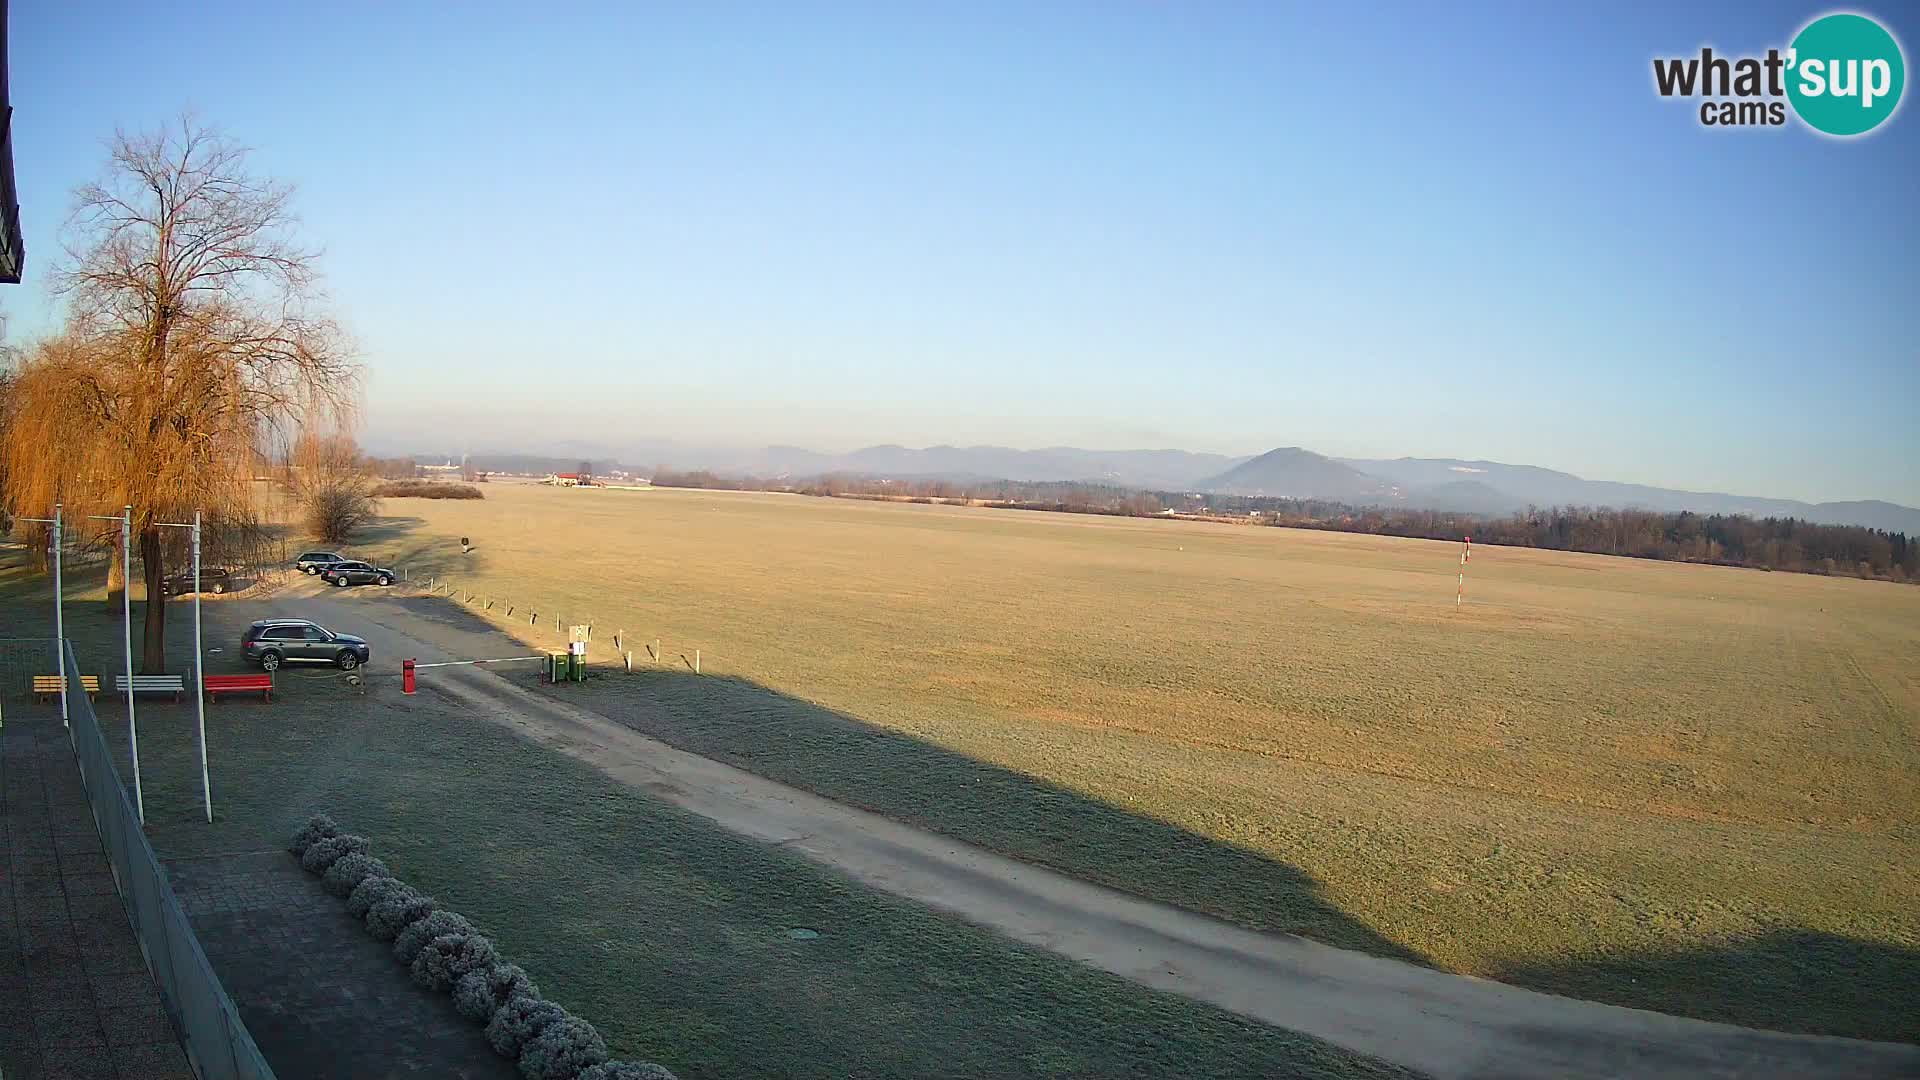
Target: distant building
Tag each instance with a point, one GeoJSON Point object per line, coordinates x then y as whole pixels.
{"type": "Point", "coordinates": [572, 479]}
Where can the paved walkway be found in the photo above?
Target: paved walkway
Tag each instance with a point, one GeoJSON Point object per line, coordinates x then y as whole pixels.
{"type": "Point", "coordinates": [76, 1000]}
{"type": "Point", "coordinates": [323, 1000]}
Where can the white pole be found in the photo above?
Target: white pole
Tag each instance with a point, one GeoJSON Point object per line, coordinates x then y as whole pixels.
{"type": "Point", "coordinates": [126, 628]}
{"type": "Point", "coordinates": [59, 622]}
{"type": "Point", "coordinates": [199, 676]}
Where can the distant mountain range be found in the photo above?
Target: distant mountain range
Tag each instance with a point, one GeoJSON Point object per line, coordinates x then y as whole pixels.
{"type": "Point", "coordinates": [1493, 487]}
{"type": "Point", "coordinates": [1479, 487]}
{"type": "Point", "coordinates": [1157, 469]}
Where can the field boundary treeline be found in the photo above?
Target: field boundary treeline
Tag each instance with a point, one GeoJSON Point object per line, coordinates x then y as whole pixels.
{"type": "Point", "coordinates": [1785, 544]}
{"type": "Point", "coordinates": [426, 489]}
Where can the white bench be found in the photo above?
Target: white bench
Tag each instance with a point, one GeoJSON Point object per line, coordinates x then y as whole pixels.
{"type": "Point", "coordinates": [153, 684]}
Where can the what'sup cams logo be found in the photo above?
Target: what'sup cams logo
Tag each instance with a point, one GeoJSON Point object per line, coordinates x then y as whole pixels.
{"type": "Point", "coordinates": [1842, 76]}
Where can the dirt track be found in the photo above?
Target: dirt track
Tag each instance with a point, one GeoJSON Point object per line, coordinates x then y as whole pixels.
{"type": "Point", "coordinates": [1445, 1025]}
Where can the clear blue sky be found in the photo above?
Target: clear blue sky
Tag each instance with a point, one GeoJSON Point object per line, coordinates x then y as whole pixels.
{"type": "Point", "coordinates": [1224, 227]}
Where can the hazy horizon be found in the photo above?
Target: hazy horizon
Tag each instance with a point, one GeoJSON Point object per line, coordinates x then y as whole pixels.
{"type": "Point", "coordinates": [638, 452]}
{"type": "Point", "coordinates": [1101, 226]}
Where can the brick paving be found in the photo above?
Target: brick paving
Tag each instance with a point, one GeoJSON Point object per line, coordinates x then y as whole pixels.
{"type": "Point", "coordinates": [76, 1000]}
{"type": "Point", "coordinates": [323, 1000]}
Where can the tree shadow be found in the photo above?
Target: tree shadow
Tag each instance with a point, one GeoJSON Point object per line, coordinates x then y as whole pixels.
{"type": "Point", "coordinates": [1788, 979]}
{"type": "Point", "coordinates": [909, 779]}
{"type": "Point", "coordinates": [387, 530]}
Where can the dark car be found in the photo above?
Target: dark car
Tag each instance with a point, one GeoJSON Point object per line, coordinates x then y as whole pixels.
{"type": "Point", "coordinates": [213, 579]}
{"type": "Point", "coordinates": [312, 562]}
{"type": "Point", "coordinates": [349, 572]}
{"type": "Point", "coordinates": [272, 642]}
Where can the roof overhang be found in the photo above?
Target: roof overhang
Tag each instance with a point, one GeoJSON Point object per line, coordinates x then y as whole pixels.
{"type": "Point", "coordinates": [13, 253]}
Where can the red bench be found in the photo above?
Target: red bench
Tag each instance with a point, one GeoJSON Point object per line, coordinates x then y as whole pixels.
{"type": "Point", "coordinates": [230, 684]}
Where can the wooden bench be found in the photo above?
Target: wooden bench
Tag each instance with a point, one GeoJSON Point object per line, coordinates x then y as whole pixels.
{"type": "Point", "coordinates": [234, 684]}
{"type": "Point", "coordinates": [153, 684]}
{"type": "Point", "coordinates": [47, 687]}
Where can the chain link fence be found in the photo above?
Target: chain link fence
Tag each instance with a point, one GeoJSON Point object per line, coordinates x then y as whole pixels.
{"type": "Point", "coordinates": [216, 1041]}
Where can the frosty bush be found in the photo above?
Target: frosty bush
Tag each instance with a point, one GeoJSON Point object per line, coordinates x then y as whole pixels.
{"type": "Point", "coordinates": [627, 1070]}
{"type": "Point", "coordinates": [396, 911]}
{"type": "Point", "coordinates": [318, 827]}
{"type": "Point", "coordinates": [409, 942]}
{"type": "Point", "coordinates": [349, 871]}
{"type": "Point", "coordinates": [373, 887]}
{"type": "Point", "coordinates": [323, 853]}
{"type": "Point", "coordinates": [481, 991]}
{"type": "Point", "coordinates": [450, 956]}
{"type": "Point", "coordinates": [562, 1050]}
{"type": "Point", "coordinates": [518, 1021]}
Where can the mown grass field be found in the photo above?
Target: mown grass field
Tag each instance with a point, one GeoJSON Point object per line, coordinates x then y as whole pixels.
{"type": "Point", "coordinates": [1686, 788]}
{"type": "Point", "coordinates": [667, 932]}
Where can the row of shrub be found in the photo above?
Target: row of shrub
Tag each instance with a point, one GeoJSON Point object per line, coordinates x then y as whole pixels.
{"type": "Point", "coordinates": [427, 489]}
{"type": "Point", "coordinates": [445, 952]}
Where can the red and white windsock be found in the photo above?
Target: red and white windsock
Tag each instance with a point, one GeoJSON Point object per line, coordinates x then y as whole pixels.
{"type": "Point", "coordinates": [1460, 593]}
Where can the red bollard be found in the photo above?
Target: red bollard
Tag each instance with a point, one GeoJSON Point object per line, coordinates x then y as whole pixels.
{"type": "Point", "coordinates": [406, 676]}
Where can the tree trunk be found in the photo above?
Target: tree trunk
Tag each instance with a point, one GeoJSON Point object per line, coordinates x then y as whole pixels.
{"type": "Point", "coordinates": [116, 580]}
{"type": "Point", "coordinates": [153, 656]}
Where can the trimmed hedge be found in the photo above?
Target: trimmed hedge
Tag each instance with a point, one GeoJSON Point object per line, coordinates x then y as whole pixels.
{"type": "Point", "coordinates": [518, 1021]}
{"type": "Point", "coordinates": [408, 945]}
{"type": "Point", "coordinates": [396, 911]}
{"type": "Point", "coordinates": [318, 827]}
{"type": "Point", "coordinates": [370, 890]}
{"type": "Point", "coordinates": [628, 1070]}
{"type": "Point", "coordinates": [318, 858]}
{"type": "Point", "coordinates": [348, 871]}
{"type": "Point", "coordinates": [444, 951]}
{"type": "Point", "coordinates": [562, 1050]}
{"type": "Point", "coordinates": [478, 993]}
{"type": "Point", "coordinates": [449, 957]}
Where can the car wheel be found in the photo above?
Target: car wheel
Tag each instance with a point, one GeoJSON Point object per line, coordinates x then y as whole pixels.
{"type": "Point", "coordinates": [385, 580]}
{"type": "Point", "coordinates": [270, 661]}
{"type": "Point", "coordinates": [347, 660]}
{"type": "Point", "coordinates": [219, 587]}
{"type": "Point", "coordinates": [309, 570]}
{"type": "Point", "coordinates": [340, 581]}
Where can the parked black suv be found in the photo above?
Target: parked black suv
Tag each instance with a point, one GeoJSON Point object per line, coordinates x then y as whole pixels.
{"type": "Point", "coordinates": [272, 642]}
{"type": "Point", "coordinates": [213, 579]}
{"type": "Point", "coordinates": [355, 573]}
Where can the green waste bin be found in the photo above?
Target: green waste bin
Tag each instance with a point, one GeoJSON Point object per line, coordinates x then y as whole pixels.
{"type": "Point", "coordinates": [559, 666]}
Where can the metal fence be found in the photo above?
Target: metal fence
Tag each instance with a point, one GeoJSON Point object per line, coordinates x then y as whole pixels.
{"type": "Point", "coordinates": [20, 660]}
{"type": "Point", "coordinates": [217, 1043]}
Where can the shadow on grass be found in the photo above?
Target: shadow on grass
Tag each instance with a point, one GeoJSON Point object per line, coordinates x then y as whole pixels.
{"type": "Point", "coordinates": [1801, 980]}
{"type": "Point", "coordinates": [1793, 980]}
{"type": "Point", "coordinates": [387, 530]}
{"type": "Point", "coordinates": [673, 935]}
{"type": "Point", "coordinates": [909, 779]}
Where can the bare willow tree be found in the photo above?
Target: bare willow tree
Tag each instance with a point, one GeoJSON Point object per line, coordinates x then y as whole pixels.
{"type": "Point", "coordinates": [192, 335]}
{"type": "Point", "coordinates": [334, 485]}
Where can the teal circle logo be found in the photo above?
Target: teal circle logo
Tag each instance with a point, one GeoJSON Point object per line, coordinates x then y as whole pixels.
{"type": "Point", "coordinates": [1844, 74]}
